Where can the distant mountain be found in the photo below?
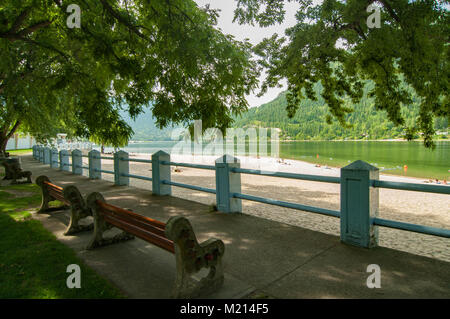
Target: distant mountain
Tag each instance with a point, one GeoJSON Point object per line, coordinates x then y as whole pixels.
{"type": "Point", "coordinates": [309, 123]}
{"type": "Point", "coordinates": [145, 129]}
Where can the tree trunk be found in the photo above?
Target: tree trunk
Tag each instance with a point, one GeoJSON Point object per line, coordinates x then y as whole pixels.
{"type": "Point", "coordinates": [102, 149]}
{"type": "Point", "coordinates": [5, 136]}
{"type": "Point", "coordinates": [3, 142]}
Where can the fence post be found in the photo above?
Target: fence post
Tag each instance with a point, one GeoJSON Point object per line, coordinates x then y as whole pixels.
{"type": "Point", "coordinates": [54, 158]}
{"type": "Point", "coordinates": [160, 173]}
{"type": "Point", "coordinates": [64, 160]}
{"type": "Point", "coordinates": [121, 167]}
{"type": "Point", "coordinates": [41, 154]}
{"type": "Point", "coordinates": [34, 151]}
{"type": "Point", "coordinates": [77, 162]}
{"type": "Point", "coordinates": [228, 183]}
{"type": "Point", "coordinates": [47, 155]}
{"type": "Point", "coordinates": [95, 164]}
{"type": "Point", "coordinates": [359, 204]}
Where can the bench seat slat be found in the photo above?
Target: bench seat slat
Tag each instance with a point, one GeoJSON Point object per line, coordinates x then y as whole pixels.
{"type": "Point", "coordinates": [135, 222]}
{"type": "Point", "coordinates": [54, 193]}
{"type": "Point", "coordinates": [59, 197]}
{"type": "Point", "coordinates": [125, 212]}
{"type": "Point", "coordinates": [141, 233]}
{"type": "Point", "coordinates": [54, 186]}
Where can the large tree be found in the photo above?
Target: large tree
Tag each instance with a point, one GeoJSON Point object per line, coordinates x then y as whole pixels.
{"type": "Point", "coordinates": [333, 43]}
{"type": "Point", "coordinates": [127, 54]}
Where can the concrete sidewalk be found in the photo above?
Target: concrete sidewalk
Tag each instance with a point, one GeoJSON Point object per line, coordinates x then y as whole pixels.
{"type": "Point", "coordinates": [262, 258]}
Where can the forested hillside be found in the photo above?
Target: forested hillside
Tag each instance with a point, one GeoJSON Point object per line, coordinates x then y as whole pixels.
{"type": "Point", "coordinates": [145, 129]}
{"type": "Point", "coordinates": [309, 123]}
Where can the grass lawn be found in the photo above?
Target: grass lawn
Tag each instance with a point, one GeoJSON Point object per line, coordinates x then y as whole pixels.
{"type": "Point", "coordinates": [20, 152]}
{"type": "Point", "coordinates": [33, 262]}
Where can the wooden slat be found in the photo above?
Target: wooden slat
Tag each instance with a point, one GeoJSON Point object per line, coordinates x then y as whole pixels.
{"type": "Point", "coordinates": [53, 185]}
{"type": "Point", "coordinates": [58, 196]}
{"type": "Point", "coordinates": [161, 242]}
{"type": "Point", "coordinates": [125, 212]}
{"type": "Point", "coordinates": [56, 192]}
{"type": "Point", "coordinates": [134, 221]}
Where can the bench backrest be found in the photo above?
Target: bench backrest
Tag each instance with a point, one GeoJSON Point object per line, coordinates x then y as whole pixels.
{"type": "Point", "coordinates": [146, 228]}
{"type": "Point", "coordinates": [56, 192]}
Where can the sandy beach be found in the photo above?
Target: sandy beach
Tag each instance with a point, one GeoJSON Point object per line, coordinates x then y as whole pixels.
{"type": "Point", "coordinates": [406, 206]}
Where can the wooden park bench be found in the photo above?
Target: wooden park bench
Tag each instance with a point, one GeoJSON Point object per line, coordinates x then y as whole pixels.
{"type": "Point", "coordinates": [14, 171]}
{"type": "Point", "coordinates": [69, 196]}
{"type": "Point", "coordinates": [176, 237]}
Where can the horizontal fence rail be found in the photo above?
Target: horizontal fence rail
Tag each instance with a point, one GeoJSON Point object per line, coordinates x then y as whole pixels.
{"type": "Point", "coordinates": [104, 171]}
{"type": "Point", "coordinates": [359, 184]}
{"type": "Point", "coordinates": [137, 160]}
{"type": "Point", "coordinates": [137, 177]}
{"type": "Point", "coordinates": [412, 227]}
{"type": "Point", "coordinates": [412, 187]}
{"type": "Point", "coordinates": [200, 166]}
{"type": "Point", "coordinates": [315, 178]}
{"type": "Point", "coordinates": [197, 188]}
{"type": "Point", "coordinates": [305, 208]}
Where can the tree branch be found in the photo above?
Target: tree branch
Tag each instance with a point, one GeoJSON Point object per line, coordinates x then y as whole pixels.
{"type": "Point", "coordinates": [16, 25]}
{"type": "Point", "coordinates": [20, 35]}
{"type": "Point", "coordinates": [119, 18]}
{"type": "Point", "coordinates": [390, 10]}
{"type": "Point", "coordinates": [13, 130]}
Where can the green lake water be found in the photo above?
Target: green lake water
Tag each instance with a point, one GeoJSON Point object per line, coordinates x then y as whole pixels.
{"type": "Point", "coordinates": [390, 157]}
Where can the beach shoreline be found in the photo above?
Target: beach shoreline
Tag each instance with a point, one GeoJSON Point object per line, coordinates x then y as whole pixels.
{"type": "Point", "coordinates": [272, 164]}
{"type": "Point", "coordinates": [419, 208]}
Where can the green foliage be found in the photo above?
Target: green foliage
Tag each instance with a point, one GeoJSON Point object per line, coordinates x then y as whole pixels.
{"type": "Point", "coordinates": [332, 44]}
{"type": "Point", "coordinates": [310, 121]}
{"type": "Point", "coordinates": [20, 152]}
{"type": "Point", "coordinates": [166, 55]}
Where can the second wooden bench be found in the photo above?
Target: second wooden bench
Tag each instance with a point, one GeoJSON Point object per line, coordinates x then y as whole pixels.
{"type": "Point", "coordinates": [176, 236]}
{"type": "Point", "coordinates": [69, 196]}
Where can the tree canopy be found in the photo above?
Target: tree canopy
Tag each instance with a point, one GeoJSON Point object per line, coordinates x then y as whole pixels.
{"type": "Point", "coordinates": [126, 55]}
{"type": "Point", "coordinates": [333, 44]}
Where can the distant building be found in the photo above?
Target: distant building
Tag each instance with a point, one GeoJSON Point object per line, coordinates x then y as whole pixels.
{"type": "Point", "coordinates": [20, 142]}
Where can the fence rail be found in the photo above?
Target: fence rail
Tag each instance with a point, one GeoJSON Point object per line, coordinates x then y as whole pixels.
{"type": "Point", "coordinates": [359, 185]}
{"type": "Point", "coordinates": [412, 187]}
{"type": "Point", "coordinates": [315, 178]}
{"type": "Point", "coordinates": [305, 208]}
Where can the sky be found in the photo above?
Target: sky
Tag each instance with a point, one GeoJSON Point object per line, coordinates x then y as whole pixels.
{"type": "Point", "coordinates": [253, 33]}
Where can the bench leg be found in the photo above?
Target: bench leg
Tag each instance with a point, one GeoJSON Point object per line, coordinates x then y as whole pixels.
{"type": "Point", "coordinates": [74, 227]}
{"type": "Point", "coordinates": [45, 195]}
{"type": "Point", "coordinates": [191, 257]}
{"type": "Point", "coordinates": [28, 178]}
{"type": "Point", "coordinates": [44, 204]}
{"type": "Point", "coordinates": [79, 210]}
{"type": "Point", "coordinates": [100, 226]}
{"type": "Point", "coordinates": [186, 286]}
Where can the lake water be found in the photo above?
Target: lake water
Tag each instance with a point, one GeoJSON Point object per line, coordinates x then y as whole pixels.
{"type": "Point", "coordinates": [390, 157]}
